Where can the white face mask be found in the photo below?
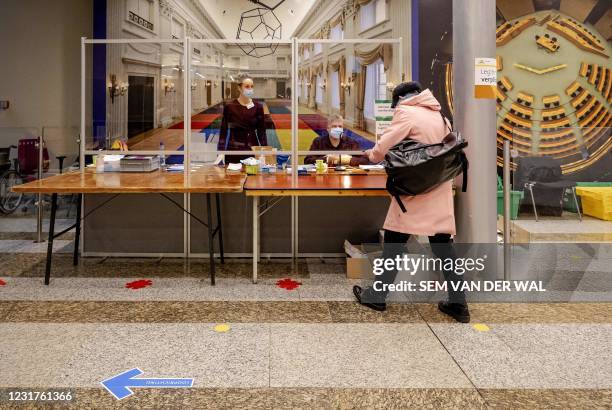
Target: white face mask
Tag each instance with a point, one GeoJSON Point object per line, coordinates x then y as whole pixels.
{"type": "Point", "coordinates": [249, 92]}
{"type": "Point", "coordinates": [336, 132]}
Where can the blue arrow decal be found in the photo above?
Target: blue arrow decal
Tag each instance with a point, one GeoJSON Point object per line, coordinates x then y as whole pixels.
{"type": "Point", "coordinates": [119, 385]}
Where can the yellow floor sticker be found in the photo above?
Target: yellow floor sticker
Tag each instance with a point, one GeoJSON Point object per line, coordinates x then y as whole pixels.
{"type": "Point", "coordinates": [222, 328]}
{"type": "Point", "coordinates": [481, 327]}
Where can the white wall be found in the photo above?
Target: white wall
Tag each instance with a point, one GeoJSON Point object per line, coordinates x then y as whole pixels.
{"type": "Point", "coordinates": [40, 69]}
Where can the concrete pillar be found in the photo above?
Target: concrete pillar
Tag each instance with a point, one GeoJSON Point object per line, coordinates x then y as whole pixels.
{"type": "Point", "coordinates": [474, 36]}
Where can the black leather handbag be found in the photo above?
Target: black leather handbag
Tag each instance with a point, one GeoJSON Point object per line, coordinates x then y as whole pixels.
{"type": "Point", "coordinates": [415, 168]}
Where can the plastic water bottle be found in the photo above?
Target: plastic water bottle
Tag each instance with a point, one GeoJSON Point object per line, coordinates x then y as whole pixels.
{"type": "Point", "coordinates": [162, 157]}
{"type": "Point", "coordinates": [100, 163]}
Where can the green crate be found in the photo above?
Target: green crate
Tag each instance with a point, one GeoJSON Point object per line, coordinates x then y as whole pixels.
{"type": "Point", "coordinates": [594, 184]}
{"type": "Point", "coordinates": [515, 202]}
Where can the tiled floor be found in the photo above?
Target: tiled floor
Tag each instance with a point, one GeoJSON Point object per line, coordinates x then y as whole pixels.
{"type": "Point", "coordinates": [311, 347]}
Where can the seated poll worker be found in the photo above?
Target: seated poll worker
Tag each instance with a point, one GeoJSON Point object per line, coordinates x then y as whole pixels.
{"type": "Point", "coordinates": [243, 123]}
{"type": "Point", "coordinates": [336, 140]}
{"type": "Point", "coordinates": [417, 116]}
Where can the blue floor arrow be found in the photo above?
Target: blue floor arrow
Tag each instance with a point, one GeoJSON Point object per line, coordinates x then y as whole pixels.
{"type": "Point", "coordinates": [119, 385]}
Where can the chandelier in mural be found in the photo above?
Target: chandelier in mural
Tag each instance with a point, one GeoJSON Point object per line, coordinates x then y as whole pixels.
{"type": "Point", "coordinates": [269, 4]}
{"type": "Point", "coordinates": [260, 23]}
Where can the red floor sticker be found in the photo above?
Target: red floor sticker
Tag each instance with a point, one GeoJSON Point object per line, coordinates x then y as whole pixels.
{"type": "Point", "coordinates": [138, 284]}
{"type": "Point", "coordinates": [2, 283]}
{"type": "Point", "coordinates": [288, 284]}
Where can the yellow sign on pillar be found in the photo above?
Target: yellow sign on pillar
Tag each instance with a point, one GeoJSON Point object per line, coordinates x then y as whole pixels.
{"type": "Point", "coordinates": [485, 81]}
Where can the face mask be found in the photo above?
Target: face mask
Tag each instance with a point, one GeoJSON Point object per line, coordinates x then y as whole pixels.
{"type": "Point", "coordinates": [249, 92]}
{"type": "Point", "coordinates": [336, 132]}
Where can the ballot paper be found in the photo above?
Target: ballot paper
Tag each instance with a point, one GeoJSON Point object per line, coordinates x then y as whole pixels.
{"type": "Point", "coordinates": [371, 167]}
{"type": "Point", "coordinates": [175, 168]}
{"type": "Point", "coordinates": [250, 161]}
{"type": "Point", "coordinates": [234, 167]}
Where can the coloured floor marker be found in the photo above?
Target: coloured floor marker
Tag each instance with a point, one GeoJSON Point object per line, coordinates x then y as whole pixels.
{"type": "Point", "coordinates": [222, 328]}
{"type": "Point", "coordinates": [288, 284]}
{"type": "Point", "coordinates": [481, 327]}
{"type": "Point", "coordinates": [139, 284]}
{"type": "Point", "coordinates": [2, 283]}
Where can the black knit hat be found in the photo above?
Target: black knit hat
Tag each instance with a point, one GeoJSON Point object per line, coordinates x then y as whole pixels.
{"type": "Point", "coordinates": [405, 89]}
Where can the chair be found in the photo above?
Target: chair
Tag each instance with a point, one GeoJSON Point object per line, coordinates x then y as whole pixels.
{"type": "Point", "coordinates": [542, 177]}
{"type": "Point", "coordinates": [27, 158]}
{"type": "Point", "coordinates": [27, 163]}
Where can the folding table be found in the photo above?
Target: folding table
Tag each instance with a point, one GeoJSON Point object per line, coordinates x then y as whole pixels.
{"type": "Point", "coordinates": [209, 180]}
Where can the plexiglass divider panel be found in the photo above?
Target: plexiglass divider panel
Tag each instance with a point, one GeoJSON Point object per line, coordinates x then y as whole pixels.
{"type": "Point", "coordinates": [134, 97]}
{"type": "Point", "coordinates": [224, 125]}
{"type": "Point", "coordinates": [139, 97]}
{"type": "Point", "coordinates": [344, 93]}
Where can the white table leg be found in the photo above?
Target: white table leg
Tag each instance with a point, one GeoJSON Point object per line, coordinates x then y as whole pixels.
{"type": "Point", "coordinates": [294, 233]}
{"type": "Point", "coordinates": [255, 236]}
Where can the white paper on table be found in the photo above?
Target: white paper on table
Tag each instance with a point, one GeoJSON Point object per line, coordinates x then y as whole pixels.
{"type": "Point", "coordinates": [371, 167]}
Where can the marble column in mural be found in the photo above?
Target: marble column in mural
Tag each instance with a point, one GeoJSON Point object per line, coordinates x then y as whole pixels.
{"type": "Point", "coordinates": [165, 99]}
{"type": "Point", "coordinates": [401, 20]}
{"type": "Point", "coordinates": [116, 111]}
{"type": "Point", "coordinates": [350, 31]}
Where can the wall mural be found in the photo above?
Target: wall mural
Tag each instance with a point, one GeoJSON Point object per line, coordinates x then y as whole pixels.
{"type": "Point", "coordinates": [554, 89]}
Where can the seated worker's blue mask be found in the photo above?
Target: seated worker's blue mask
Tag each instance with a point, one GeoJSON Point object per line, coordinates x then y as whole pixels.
{"type": "Point", "coordinates": [336, 132]}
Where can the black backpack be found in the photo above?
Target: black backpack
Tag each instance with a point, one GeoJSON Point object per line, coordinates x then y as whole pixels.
{"type": "Point", "coordinates": [414, 168]}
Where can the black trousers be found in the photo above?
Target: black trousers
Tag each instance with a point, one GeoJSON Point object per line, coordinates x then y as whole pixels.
{"type": "Point", "coordinates": [442, 247]}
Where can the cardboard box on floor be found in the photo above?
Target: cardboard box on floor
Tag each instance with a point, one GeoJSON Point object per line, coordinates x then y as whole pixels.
{"type": "Point", "coordinates": [358, 266]}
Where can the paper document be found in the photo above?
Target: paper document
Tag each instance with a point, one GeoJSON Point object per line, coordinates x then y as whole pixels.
{"type": "Point", "coordinates": [175, 168]}
{"type": "Point", "coordinates": [234, 167]}
{"type": "Point", "coordinates": [372, 167]}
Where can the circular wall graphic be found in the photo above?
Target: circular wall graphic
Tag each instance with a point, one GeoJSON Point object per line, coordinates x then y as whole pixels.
{"type": "Point", "coordinates": [554, 89]}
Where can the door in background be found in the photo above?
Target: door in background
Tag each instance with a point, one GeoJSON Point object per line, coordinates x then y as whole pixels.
{"type": "Point", "coordinates": [140, 105]}
{"type": "Point", "coordinates": [208, 93]}
{"type": "Point", "coordinates": [280, 89]}
{"type": "Point", "coordinates": [235, 90]}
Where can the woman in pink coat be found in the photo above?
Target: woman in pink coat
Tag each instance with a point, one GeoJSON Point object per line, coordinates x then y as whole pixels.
{"type": "Point", "coordinates": [417, 116]}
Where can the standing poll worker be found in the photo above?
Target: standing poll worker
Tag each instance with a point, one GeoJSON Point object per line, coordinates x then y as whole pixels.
{"type": "Point", "coordinates": [243, 123]}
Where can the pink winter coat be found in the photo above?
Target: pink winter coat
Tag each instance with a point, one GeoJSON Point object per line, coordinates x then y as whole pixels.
{"type": "Point", "coordinates": [418, 118]}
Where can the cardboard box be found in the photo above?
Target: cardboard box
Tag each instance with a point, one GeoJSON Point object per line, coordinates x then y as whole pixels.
{"type": "Point", "coordinates": [358, 268]}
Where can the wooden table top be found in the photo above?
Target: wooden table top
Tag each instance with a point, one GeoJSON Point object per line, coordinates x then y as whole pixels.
{"type": "Point", "coordinates": [204, 179]}
{"type": "Point", "coordinates": [316, 185]}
